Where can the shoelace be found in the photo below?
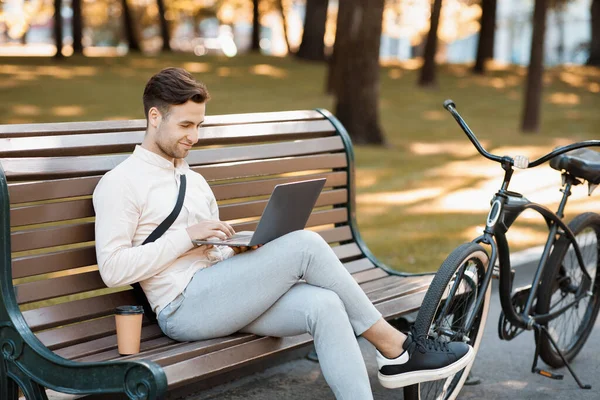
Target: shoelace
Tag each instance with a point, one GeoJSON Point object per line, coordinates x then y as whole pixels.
{"type": "Point", "coordinates": [424, 342]}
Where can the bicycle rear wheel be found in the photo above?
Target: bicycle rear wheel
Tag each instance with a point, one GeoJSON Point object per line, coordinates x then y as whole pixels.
{"type": "Point", "coordinates": [444, 314]}
{"type": "Point", "coordinates": [560, 284]}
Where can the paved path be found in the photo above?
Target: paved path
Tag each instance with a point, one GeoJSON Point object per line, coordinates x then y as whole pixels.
{"type": "Point", "coordinates": [502, 366]}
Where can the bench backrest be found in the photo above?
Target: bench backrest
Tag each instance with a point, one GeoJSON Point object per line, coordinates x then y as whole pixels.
{"type": "Point", "coordinates": [52, 170]}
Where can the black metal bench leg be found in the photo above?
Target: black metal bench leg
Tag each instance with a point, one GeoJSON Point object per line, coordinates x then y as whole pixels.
{"type": "Point", "coordinates": [15, 379]}
{"type": "Point", "coordinates": [9, 390]}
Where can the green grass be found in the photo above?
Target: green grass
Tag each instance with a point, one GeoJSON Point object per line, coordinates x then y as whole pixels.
{"type": "Point", "coordinates": [418, 198]}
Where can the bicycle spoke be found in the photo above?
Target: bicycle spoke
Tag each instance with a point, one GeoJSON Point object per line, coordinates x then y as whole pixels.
{"type": "Point", "coordinates": [568, 328]}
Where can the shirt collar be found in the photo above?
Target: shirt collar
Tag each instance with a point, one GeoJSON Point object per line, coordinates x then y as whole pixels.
{"type": "Point", "coordinates": [154, 159]}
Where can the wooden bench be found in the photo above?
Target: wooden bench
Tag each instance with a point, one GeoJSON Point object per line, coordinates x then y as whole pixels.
{"type": "Point", "coordinates": [57, 330]}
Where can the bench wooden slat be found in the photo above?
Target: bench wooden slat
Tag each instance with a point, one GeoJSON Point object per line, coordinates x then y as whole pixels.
{"type": "Point", "coordinates": [53, 262]}
{"type": "Point", "coordinates": [117, 142]}
{"type": "Point", "coordinates": [56, 167]}
{"type": "Point", "coordinates": [245, 169]}
{"type": "Point", "coordinates": [405, 287]}
{"type": "Point", "coordinates": [53, 236]}
{"type": "Point", "coordinates": [265, 186]}
{"type": "Point", "coordinates": [347, 251]}
{"type": "Point", "coordinates": [107, 342]}
{"type": "Point", "coordinates": [39, 214]}
{"type": "Point", "coordinates": [77, 310]}
{"type": "Point", "coordinates": [369, 275]}
{"type": "Point", "coordinates": [177, 350]}
{"type": "Point", "coordinates": [334, 235]}
{"type": "Point", "coordinates": [255, 208]}
{"type": "Point", "coordinates": [381, 283]}
{"type": "Point", "coordinates": [24, 192]}
{"type": "Point", "coordinates": [62, 128]}
{"type": "Point", "coordinates": [359, 265]}
{"type": "Point", "coordinates": [66, 285]}
{"type": "Point", "coordinates": [97, 348]}
{"type": "Point", "coordinates": [74, 209]}
{"type": "Point", "coordinates": [76, 333]}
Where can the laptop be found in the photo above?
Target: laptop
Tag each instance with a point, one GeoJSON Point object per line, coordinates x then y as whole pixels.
{"type": "Point", "coordinates": [288, 210]}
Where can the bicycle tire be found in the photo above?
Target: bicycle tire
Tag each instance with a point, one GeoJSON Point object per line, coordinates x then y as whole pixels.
{"type": "Point", "coordinates": [560, 261]}
{"type": "Point", "coordinates": [449, 388]}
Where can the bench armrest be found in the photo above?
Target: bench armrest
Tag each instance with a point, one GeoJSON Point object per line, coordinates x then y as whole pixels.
{"type": "Point", "coordinates": [26, 357]}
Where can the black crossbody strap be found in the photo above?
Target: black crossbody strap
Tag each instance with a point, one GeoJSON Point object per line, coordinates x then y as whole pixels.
{"type": "Point", "coordinates": [157, 233]}
{"type": "Point", "coordinates": [166, 224]}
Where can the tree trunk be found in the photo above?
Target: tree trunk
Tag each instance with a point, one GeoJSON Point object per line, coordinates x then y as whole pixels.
{"type": "Point", "coordinates": [58, 29]}
{"type": "Point", "coordinates": [77, 22]}
{"type": "Point", "coordinates": [533, 94]}
{"type": "Point", "coordinates": [313, 38]}
{"type": "Point", "coordinates": [487, 33]}
{"type": "Point", "coordinates": [255, 47]}
{"type": "Point", "coordinates": [164, 26]}
{"type": "Point", "coordinates": [332, 78]}
{"type": "Point", "coordinates": [357, 69]}
{"type": "Point", "coordinates": [428, 78]}
{"type": "Point", "coordinates": [129, 28]}
{"type": "Point", "coordinates": [594, 58]}
{"type": "Point", "coordinates": [285, 26]}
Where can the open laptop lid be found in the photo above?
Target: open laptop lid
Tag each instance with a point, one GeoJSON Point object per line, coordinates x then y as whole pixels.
{"type": "Point", "coordinates": [288, 209]}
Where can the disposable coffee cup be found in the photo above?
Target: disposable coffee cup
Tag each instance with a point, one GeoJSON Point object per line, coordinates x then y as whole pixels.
{"type": "Point", "coordinates": [129, 329]}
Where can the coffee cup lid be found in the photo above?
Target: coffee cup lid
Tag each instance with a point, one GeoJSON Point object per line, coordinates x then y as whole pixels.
{"type": "Point", "coordinates": [126, 310]}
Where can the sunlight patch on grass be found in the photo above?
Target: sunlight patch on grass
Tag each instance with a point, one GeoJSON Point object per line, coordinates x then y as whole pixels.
{"type": "Point", "coordinates": [26, 110]}
{"type": "Point", "coordinates": [197, 67]}
{"type": "Point", "coordinates": [67, 111]}
{"type": "Point", "coordinates": [455, 148]}
{"type": "Point", "coordinates": [397, 198]}
{"type": "Point", "coordinates": [395, 73]}
{"type": "Point", "coordinates": [268, 70]}
{"type": "Point", "coordinates": [434, 115]}
{"type": "Point", "coordinates": [564, 99]}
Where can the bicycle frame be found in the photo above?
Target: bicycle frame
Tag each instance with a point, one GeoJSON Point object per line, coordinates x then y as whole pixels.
{"type": "Point", "coordinates": [505, 209]}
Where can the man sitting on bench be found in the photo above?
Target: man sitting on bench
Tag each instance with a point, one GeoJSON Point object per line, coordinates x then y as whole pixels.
{"type": "Point", "coordinates": [212, 291]}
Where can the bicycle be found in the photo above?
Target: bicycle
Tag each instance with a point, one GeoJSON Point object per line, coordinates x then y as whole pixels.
{"type": "Point", "coordinates": [566, 282]}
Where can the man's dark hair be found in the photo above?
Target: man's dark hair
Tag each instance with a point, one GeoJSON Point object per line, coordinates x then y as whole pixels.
{"type": "Point", "coordinates": [172, 86]}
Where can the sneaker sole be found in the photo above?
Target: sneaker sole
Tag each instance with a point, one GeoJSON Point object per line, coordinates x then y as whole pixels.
{"type": "Point", "coordinates": [411, 378]}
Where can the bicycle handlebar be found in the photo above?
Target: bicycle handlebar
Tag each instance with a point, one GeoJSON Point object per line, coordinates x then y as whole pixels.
{"type": "Point", "coordinates": [519, 161]}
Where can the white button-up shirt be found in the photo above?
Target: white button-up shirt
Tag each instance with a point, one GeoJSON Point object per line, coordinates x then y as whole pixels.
{"type": "Point", "coordinates": [130, 202]}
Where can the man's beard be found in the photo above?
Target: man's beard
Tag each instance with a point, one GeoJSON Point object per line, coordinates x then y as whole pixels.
{"type": "Point", "coordinates": [171, 149]}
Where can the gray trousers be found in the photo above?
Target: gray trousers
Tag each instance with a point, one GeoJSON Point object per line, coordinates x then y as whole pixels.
{"type": "Point", "coordinates": [290, 286]}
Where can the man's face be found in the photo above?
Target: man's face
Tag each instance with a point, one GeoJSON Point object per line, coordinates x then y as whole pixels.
{"type": "Point", "coordinates": [174, 134]}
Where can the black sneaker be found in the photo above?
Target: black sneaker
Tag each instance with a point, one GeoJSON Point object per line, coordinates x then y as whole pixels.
{"type": "Point", "coordinates": [423, 360]}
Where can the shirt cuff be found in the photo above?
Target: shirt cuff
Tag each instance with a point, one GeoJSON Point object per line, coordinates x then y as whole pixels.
{"type": "Point", "coordinates": [181, 241]}
{"type": "Point", "coordinates": [226, 252]}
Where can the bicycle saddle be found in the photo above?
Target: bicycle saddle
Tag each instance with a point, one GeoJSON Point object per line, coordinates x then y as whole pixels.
{"type": "Point", "coordinates": [581, 163]}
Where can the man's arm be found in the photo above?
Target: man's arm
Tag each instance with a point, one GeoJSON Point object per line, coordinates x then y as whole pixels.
{"type": "Point", "coordinates": [117, 216]}
{"type": "Point", "coordinates": [226, 251]}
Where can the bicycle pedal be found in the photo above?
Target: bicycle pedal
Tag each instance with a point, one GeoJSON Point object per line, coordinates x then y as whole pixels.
{"type": "Point", "coordinates": [548, 374]}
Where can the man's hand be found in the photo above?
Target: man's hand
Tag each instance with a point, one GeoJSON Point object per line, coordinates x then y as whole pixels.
{"type": "Point", "coordinates": [242, 249]}
{"type": "Point", "coordinates": [207, 229]}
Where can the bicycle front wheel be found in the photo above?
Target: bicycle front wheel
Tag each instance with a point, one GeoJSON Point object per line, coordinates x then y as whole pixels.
{"type": "Point", "coordinates": [448, 304]}
{"type": "Point", "coordinates": [562, 283]}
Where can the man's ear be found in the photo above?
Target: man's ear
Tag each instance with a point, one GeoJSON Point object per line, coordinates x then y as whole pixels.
{"type": "Point", "coordinates": [154, 117]}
